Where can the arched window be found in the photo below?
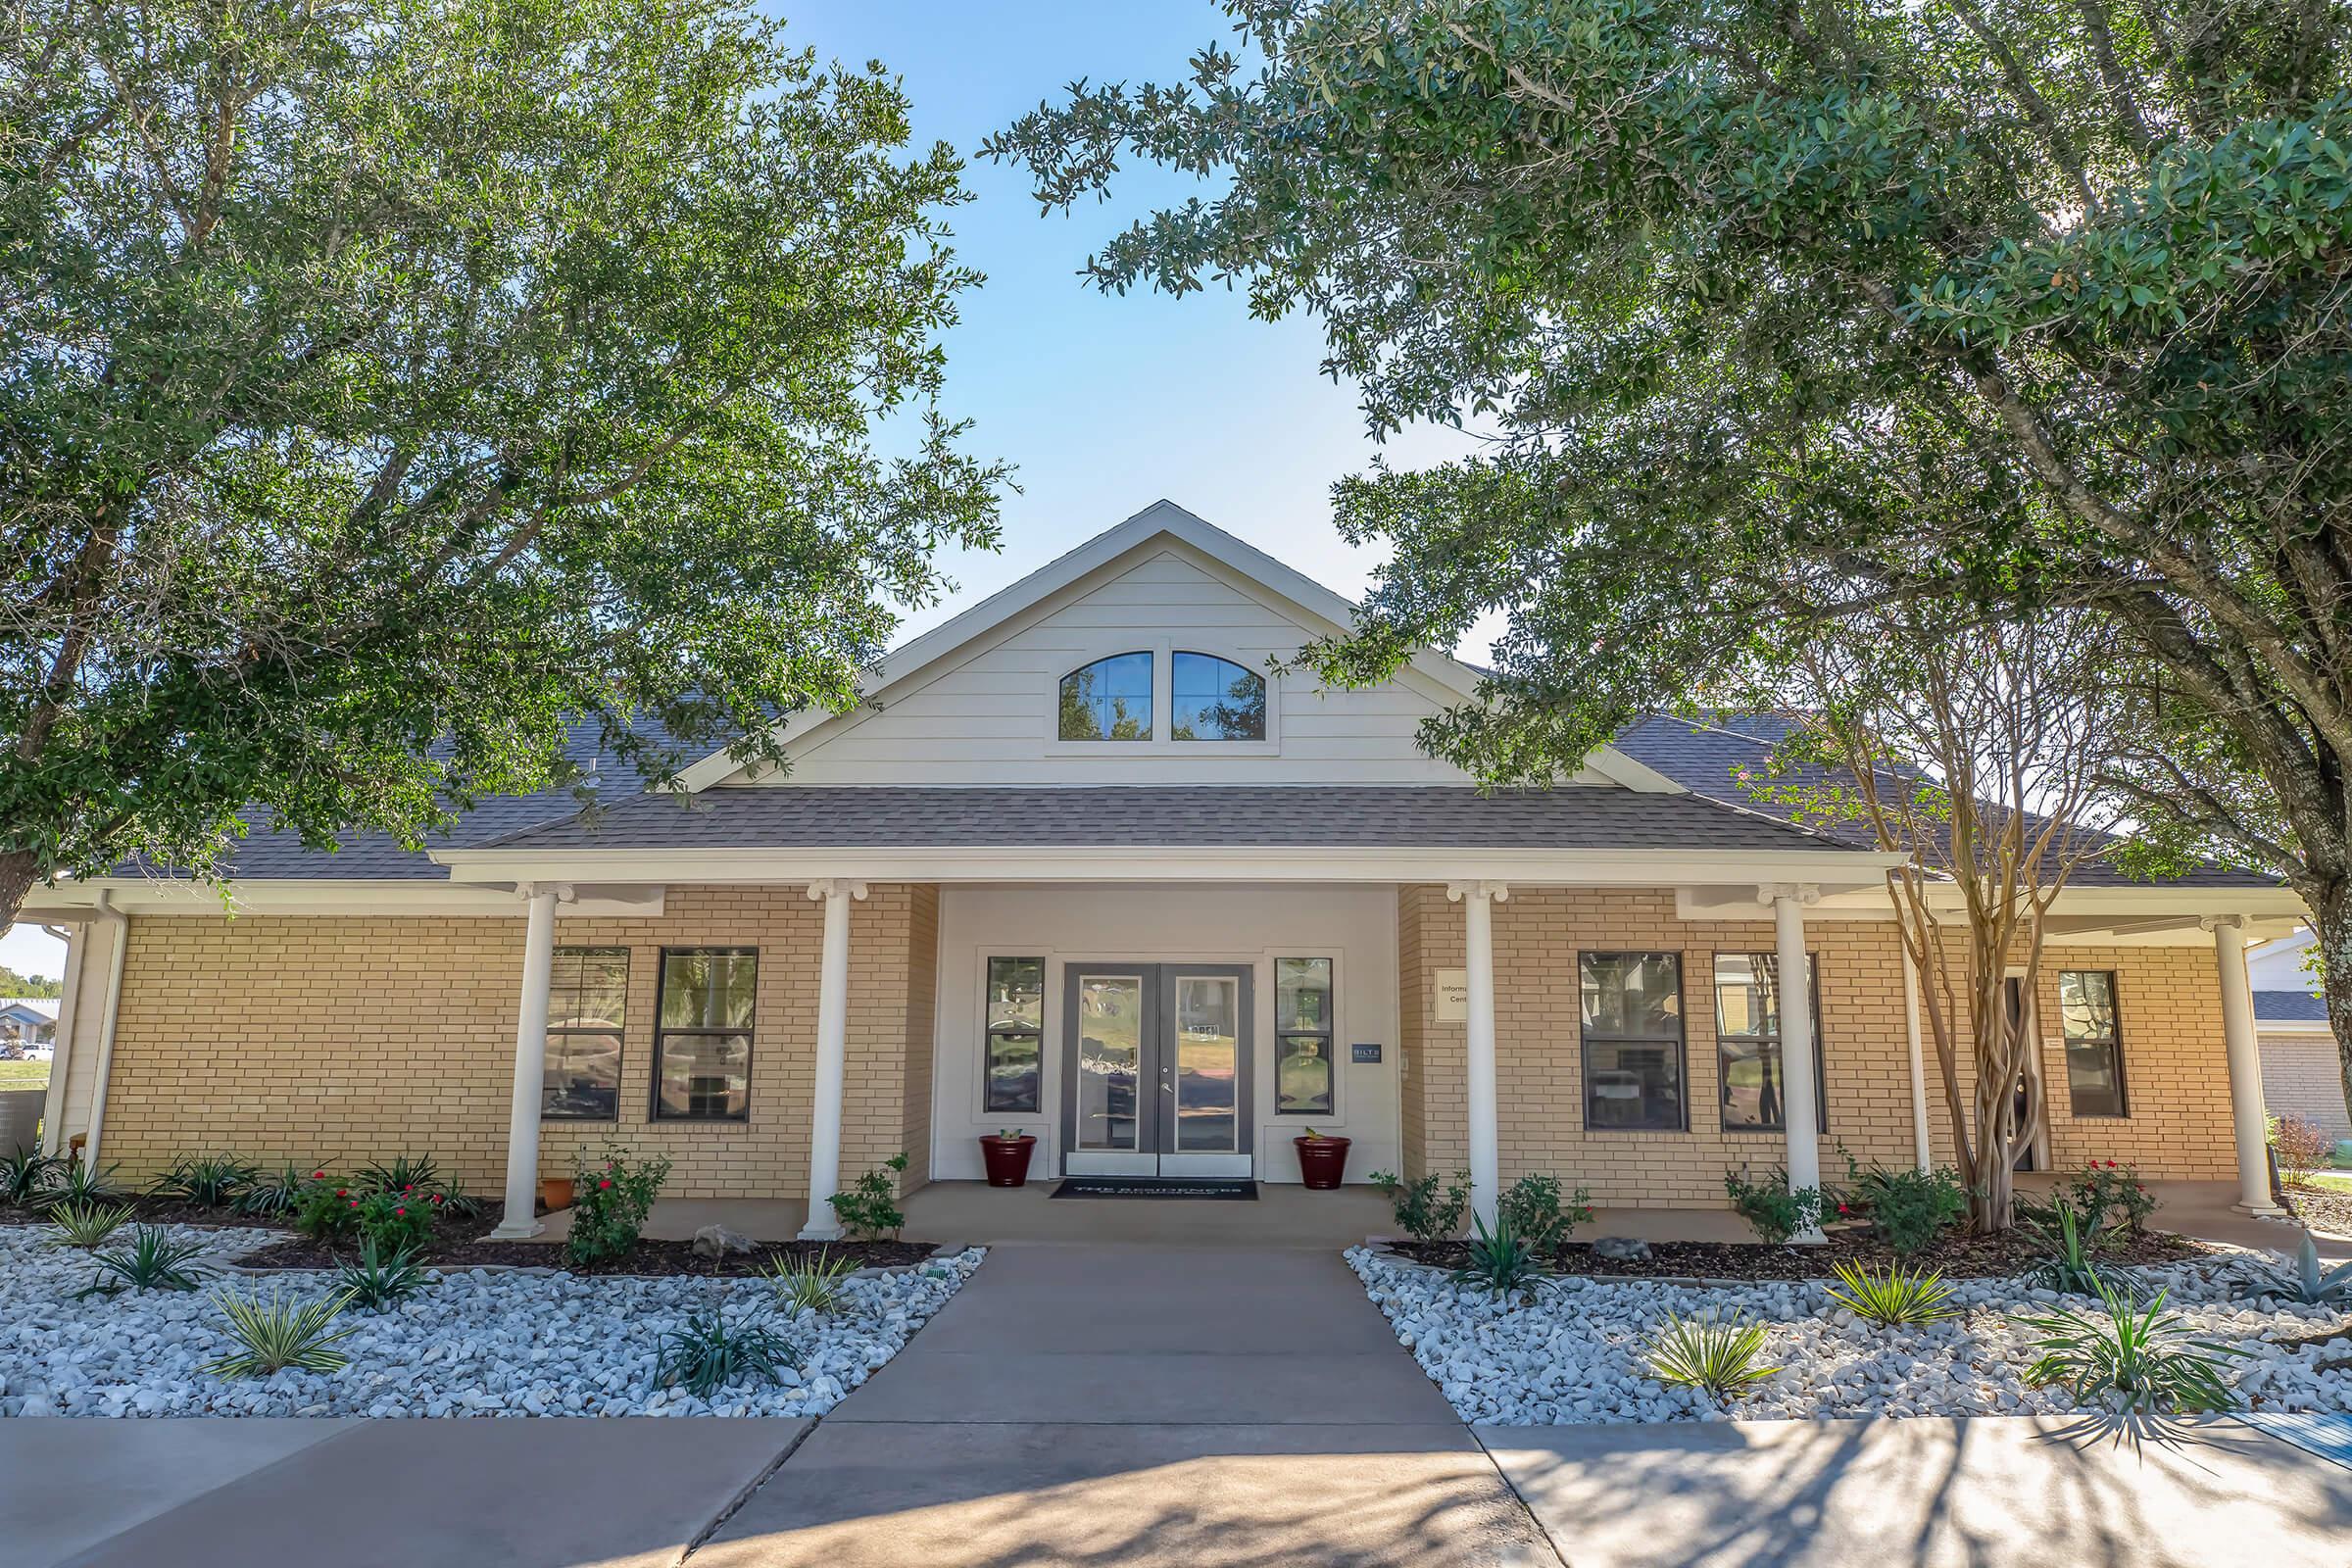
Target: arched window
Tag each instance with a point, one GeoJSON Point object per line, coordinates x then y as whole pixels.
{"type": "Point", "coordinates": [1217, 700]}
{"type": "Point", "coordinates": [1108, 700]}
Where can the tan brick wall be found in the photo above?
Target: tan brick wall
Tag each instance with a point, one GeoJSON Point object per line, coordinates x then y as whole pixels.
{"type": "Point", "coordinates": [2179, 1124]}
{"type": "Point", "coordinates": [346, 1039]}
{"type": "Point", "coordinates": [2300, 1076]}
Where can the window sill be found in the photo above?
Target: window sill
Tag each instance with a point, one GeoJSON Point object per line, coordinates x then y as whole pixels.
{"type": "Point", "coordinates": [1157, 748]}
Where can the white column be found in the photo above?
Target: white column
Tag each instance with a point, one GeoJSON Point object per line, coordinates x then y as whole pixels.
{"type": "Point", "coordinates": [832, 1057]}
{"type": "Point", "coordinates": [2245, 1065]}
{"type": "Point", "coordinates": [1799, 1113]}
{"type": "Point", "coordinates": [1478, 900]}
{"type": "Point", "coordinates": [1919, 1066]}
{"type": "Point", "coordinates": [530, 1063]}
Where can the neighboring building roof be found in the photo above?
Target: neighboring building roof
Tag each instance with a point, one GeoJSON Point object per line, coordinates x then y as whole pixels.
{"type": "Point", "coordinates": [1437, 816]}
{"type": "Point", "coordinates": [42, 1006]}
{"type": "Point", "coordinates": [2289, 1006]}
{"type": "Point", "coordinates": [1706, 757]}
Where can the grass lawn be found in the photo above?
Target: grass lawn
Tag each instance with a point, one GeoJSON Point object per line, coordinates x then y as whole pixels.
{"type": "Point", "coordinates": [24, 1075]}
{"type": "Point", "coordinates": [2341, 1181]}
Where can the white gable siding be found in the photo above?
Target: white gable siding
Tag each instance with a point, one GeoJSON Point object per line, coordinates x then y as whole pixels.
{"type": "Point", "coordinates": [986, 715]}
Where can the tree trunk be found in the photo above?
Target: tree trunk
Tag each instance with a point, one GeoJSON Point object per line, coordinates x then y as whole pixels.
{"type": "Point", "coordinates": [18, 873]}
{"type": "Point", "coordinates": [2331, 905]}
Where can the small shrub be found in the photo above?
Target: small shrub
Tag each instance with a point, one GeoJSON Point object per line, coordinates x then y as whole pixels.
{"type": "Point", "coordinates": [205, 1181]}
{"type": "Point", "coordinates": [279, 1197]}
{"type": "Point", "coordinates": [2111, 1199]}
{"type": "Point", "coordinates": [1710, 1354]}
{"type": "Point", "coordinates": [1910, 1207]}
{"type": "Point", "coordinates": [26, 1174]}
{"type": "Point", "coordinates": [153, 1262]}
{"type": "Point", "coordinates": [2143, 1354]}
{"type": "Point", "coordinates": [869, 1209]}
{"type": "Point", "coordinates": [331, 1209]}
{"type": "Point", "coordinates": [1421, 1212]}
{"type": "Point", "coordinates": [611, 1198]}
{"type": "Point", "coordinates": [707, 1355]}
{"type": "Point", "coordinates": [2070, 1268]}
{"type": "Point", "coordinates": [78, 1184]}
{"type": "Point", "coordinates": [1771, 1209]}
{"type": "Point", "coordinates": [279, 1334]}
{"type": "Point", "coordinates": [1503, 1262]}
{"type": "Point", "coordinates": [2309, 1284]}
{"type": "Point", "coordinates": [2302, 1146]}
{"type": "Point", "coordinates": [396, 1221]}
{"type": "Point", "coordinates": [85, 1225]}
{"type": "Point", "coordinates": [808, 1283]}
{"type": "Point", "coordinates": [381, 1280]}
{"type": "Point", "coordinates": [1535, 1209]}
{"type": "Point", "coordinates": [1894, 1298]}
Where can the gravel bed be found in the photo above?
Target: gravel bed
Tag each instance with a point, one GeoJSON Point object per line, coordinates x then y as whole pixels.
{"type": "Point", "coordinates": [472, 1343]}
{"type": "Point", "coordinates": [2323, 1208]}
{"type": "Point", "coordinates": [1577, 1354]}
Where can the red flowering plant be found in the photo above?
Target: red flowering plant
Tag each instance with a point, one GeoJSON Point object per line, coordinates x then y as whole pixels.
{"type": "Point", "coordinates": [612, 1196]}
{"type": "Point", "coordinates": [2110, 1200]}
{"type": "Point", "coordinates": [394, 1220]}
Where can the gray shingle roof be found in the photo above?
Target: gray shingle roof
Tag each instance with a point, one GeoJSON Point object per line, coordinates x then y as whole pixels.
{"type": "Point", "coordinates": [2289, 1006]}
{"type": "Point", "coordinates": [795, 816]}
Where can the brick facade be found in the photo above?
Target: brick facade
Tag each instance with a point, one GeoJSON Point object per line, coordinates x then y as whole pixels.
{"type": "Point", "coordinates": [2301, 1077]}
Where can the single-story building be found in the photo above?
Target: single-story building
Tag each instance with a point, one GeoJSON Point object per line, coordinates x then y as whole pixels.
{"type": "Point", "coordinates": [1091, 864]}
{"type": "Point", "coordinates": [28, 1021]}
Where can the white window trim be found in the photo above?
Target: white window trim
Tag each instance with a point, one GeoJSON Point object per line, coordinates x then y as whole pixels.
{"type": "Point", "coordinates": [1163, 651]}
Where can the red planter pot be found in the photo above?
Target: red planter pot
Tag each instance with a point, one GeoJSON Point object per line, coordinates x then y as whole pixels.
{"type": "Point", "coordinates": [1007, 1159]}
{"type": "Point", "coordinates": [1322, 1162]}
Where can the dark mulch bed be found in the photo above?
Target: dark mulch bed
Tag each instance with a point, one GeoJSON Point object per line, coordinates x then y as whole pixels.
{"type": "Point", "coordinates": [1961, 1255]}
{"type": "Point", "coordinates": [146, 1210]}
{"type": "Point", "coordinates": [2323, 1208]}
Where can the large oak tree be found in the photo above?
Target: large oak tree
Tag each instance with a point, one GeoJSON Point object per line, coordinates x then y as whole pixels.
{"type": "Point", "coordinates": [387, 384]}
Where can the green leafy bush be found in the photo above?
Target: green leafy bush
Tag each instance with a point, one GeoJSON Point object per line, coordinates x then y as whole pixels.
{"type": "Point", "coordinates": [1771, 1209]}
{"type": "Point", "coordinates": [612, 1196]}
{"type": "Point", "coordinates": [2112, 1200]}
{"type": "Point", "coordinates": [85, 1225]}
{"type": "Point", "coordinates": [808, 1283]}
{"type": "Point", "coordinates": [396, 1221]}
{"type": "Point", "coordinates": [1908, 1208]}
{"type": "Point", "coordinates": [1421, 1212]}
{"type": "Point", "coordinates": [381, 1280]}
{"type": "Point", "coordinates": [26, 1174]}
{"type": "Point", "coordinates": [2143, 1354]}
{"type": "Point", "coordinates": [205, 1181]}
{"type": "Point", "coordinates": [1503, 1262]}
{"type": "Point", "coordinates": [709, 1353]}
{"type": "Point", "coordinates": [1710, 1354]}
{"type": "Point", "coordinates": [1894, 1297]}
{"type": "Point", "coordinates": [278, 1334]}
{"type": "Point", "coordinates": [1534, 1207]}
{"type": "Point", "coordinates": [869, 1209]}
{"type": "Point", "coordinates": [153, 1262]}
{"type": "Point", "coordinates": [329, 1209]}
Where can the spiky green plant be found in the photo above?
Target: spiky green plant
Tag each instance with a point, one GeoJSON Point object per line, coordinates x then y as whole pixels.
{"type": "Point", "coordinates": [85, 1225]}
{"type": "Point", "coordinates": [78, 1184]}
{"type": "Point", "coordinates": [2308, 1283]}
{"type": "Point", "coordinates": [1894, 1298]}
{"type": "Point", "coordinates": [808, 1283]}
{"type": "Point", "coordinates": [710, 1352]}
{"type": "Point", "coordinates": [2070, 1269]}
{"type": "Point", "coordinates": [153, 1262]}
{"type": "Point", "coordinates": [25, 1174]}
{"type": "Point", "coordinates": [205, 1181]}
{"type": "Point", "coordinates": [2143, 1354]}
{"type": "Point", "coordinates": [1503, 1262]}
{"type": "Point", "coordinates": [278, 1195]}
{"type": "Point", "coordinates": [378, 1280]}
{"type": "Point", "coordinates": [403, 1172]}
{"type": "Point", "coordinates": [278, 1334]}
{"type": "Point", "coordinates": [1715, 1354]}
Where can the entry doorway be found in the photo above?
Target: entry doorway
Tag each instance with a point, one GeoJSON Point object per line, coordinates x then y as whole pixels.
{"type": "Point", "coordinates": [1157, 1065]}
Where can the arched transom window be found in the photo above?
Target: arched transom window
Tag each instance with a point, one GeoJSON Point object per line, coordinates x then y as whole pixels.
{"type": "Point", "coordinates": [1108, 700]}
{"type": "Point", "coordinates": [1216, 700]}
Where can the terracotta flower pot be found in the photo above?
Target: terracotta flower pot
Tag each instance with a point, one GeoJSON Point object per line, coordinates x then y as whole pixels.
{"type": "Point", "coordinates": [1322, 1162]}
{"type": "Point", "coordinates": [555, 1192]}
{"type": "Point", "coordinates": [1007, 1159]}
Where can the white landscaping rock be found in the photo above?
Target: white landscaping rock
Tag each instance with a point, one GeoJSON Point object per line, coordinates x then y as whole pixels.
{"type": "Point", "coordinates": [1578, 1353]}
{"type": "Point", "coordinates": [472, 1342]}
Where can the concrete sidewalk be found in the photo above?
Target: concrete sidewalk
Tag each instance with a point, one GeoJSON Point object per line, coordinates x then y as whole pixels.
{"type": "Point", "coordinates": [1157, 1405]}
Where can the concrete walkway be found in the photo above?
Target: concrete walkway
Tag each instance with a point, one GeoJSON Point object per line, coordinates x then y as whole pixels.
{"type": "Point", "coordinates": [1142, 1405]}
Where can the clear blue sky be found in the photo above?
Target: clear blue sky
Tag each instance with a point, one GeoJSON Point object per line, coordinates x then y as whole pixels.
{"type": "Point", "coordinates": [1104, 404]}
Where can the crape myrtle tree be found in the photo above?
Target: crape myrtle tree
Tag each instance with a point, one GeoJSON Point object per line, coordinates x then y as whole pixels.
{"type": "Point", "coordinates": [2018, 303]}
{"type": "Point", "coordinates": [386, 385]}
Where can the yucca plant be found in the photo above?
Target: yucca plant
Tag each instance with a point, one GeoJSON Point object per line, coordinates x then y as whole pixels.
{"type": "Point", "coordinates": [808, 1283]}
{"type": "Point", "coordinates": [278, 1334]}
{"type": "Point", "coordinates": [457, 1202]}
{"type": "Point", "coordinates": [85, 1225]}
{"type": "Point", "coordinates": [1708, 1352]}
{"type": "Point", "coordinates": [1894, 1298]}
{"type": "Point", "coordinates": [2070, 1269]}
{"type": "Point", "coordinates": [78, 1184]}
{"type": "Point", "coordinates": [2143, 1354]}
{"type": "Point", "coordinates": [710, 1352]}
{"type": "Point", "coordinates": [377, 1280]}
{"type": "Point", "coordinates": [405, 1171]}
{"type": "Point", "coordinates": [25, 1174]}
{"type": "Point", "coordinates": [1501, 1262]}
{"type": "Point", "coordinates": [153, 1262]}
{"type": "Point", "coordinates": [279, 1196]}
{"type": "Point", "coordinates": [2309, 1284]}
{"type": "Point", "coordinates": [205, 1181]}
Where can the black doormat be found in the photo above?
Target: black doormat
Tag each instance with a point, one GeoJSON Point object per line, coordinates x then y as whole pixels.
{"type": "Point", "coordinates": [1214, 1189]}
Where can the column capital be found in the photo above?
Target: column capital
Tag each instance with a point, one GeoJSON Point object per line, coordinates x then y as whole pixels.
{"type": "Point", "coordinates": [560, 891]}
{"type": "Point", "coordinates": [2221, 922]}
{"type": "Point", "coordinates": [1499, 892]}
{"type": "Point", "coordinates": [1775, 892]}
{"type": "Point", "coordinates": [835, 887]}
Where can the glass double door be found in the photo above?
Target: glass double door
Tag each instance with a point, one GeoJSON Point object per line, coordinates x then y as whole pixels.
{"type": "Point", "coordinates": [1156, 1069]}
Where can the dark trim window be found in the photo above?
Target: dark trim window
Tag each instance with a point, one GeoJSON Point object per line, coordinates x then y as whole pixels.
{"type": "Point", "coordinates": [1633, 1041]}
{"type": "Point", "coordinates": [1748, 1043]}
{"type": "Point", "coordinates": [1108, 700]}
{"type": "Point", "coordinates": [1012, 1074]}
{"type": "Point", "coordinates": [1216, 700]}
{"type": "Point", "coordinates": [587, 1003]}
{"type": "Point", "coordinates": [702, 1034]}
{"type": "Point", "coordinates": [1305, 1070]}
{"type": "Point", "coordinates": [2094, 1042]}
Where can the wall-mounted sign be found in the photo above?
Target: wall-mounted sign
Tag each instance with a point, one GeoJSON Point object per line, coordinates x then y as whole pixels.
{"type": "Point", "coordinates": [1453, 996]}
{"type": "Point", "coordinates": [1366, 1053]}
